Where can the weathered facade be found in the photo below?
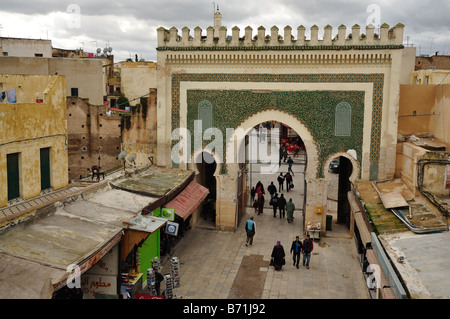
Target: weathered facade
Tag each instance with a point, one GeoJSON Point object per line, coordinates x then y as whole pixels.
{"type": "Point", "coordinates": [136, 79]}
{"type": "Point", "coordinates": [33, 137]}
{"type": "Point", "coordinates": [94, 138]}
{"type": "Point", "coordinates": [97, 136]}
{"type": "Point", "coordinates": [22, 47]}
{"type": "Point", "coordinates": [86, 77]}
{"type": "Point", "coordinates": [300, 82]}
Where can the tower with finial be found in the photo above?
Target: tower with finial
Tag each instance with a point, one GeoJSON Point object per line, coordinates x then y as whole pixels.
{"type": "Point", "coordinates": [217, 21]}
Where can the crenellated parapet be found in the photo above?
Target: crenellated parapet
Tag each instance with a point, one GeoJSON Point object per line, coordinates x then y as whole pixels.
{"type": "Point", "coordinates": [217, 38]}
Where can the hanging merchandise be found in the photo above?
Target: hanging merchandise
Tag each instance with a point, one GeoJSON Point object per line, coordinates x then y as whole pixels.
{"type": "Point", "coordinates": [138, 262]}
{"type": "Point", "coordinates": [168, 293]}
{"type": "Point", "coordinates": [156, 264]}
{"type": "Point", "coordinates": [151, 281]}
{"type": "Point", "coordinates": [176, 272]}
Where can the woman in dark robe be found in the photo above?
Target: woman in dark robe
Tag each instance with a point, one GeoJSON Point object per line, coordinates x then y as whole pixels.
{"type": "Point", "coordinates": [278, 256]}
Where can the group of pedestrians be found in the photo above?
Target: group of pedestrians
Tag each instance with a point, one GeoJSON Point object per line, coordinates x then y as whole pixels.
{"type": "Point", "coordinates": [257, 196]}
{"type": "Point", "coordinates": [278, 203]}
{"type": "Point", "coordinates": [278, 255]}
{"type": "Point", "coordinates": [298, 248]}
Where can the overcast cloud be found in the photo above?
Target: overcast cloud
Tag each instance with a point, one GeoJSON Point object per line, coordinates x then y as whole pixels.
{"type": "Point", "coordinates": [129, 27]}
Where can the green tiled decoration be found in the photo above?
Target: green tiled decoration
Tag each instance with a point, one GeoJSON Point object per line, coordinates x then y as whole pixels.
{"type": "Point", "coordinates": [316, 109]}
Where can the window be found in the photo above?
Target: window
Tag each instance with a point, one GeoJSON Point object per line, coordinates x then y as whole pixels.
{"type": "Point", "coordinates": [38, 55]}
{"type": "Point", "coordinates": [343, 119]}
{"type": "Point", "coordinates": [74, 92]}
{"type": "Point", "coordinates": [205, 114]}
{"type": "Point", "coordinates": [5, 53]}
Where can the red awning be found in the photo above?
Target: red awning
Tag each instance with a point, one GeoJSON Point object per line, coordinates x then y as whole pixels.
{"type": "Point", "coordinates": [188, 200]}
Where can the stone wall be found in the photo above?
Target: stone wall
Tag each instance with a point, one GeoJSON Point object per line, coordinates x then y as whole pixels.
{"type": "Point", "coordinates": [89, 129]}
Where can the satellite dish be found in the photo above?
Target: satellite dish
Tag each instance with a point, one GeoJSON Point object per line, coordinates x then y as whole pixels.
{"type": "Point", "coordinates": [132, 158]}
{"type": "Point", "coordinates": [99, 50]}
{"type": "Point", "coordinates": [105, 50]}
{"type": "Point", "coordinates": [122, 156]}
{"type": "Point", "coordinates": [109, 49]}
{"type": "Point", "coordinates": [108, 113]}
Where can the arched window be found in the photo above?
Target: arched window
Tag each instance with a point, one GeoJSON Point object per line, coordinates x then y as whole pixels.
{"type": "Point", "coordinates": [343, 119]}
{"type": "Point", "coordinates": [205, 114]}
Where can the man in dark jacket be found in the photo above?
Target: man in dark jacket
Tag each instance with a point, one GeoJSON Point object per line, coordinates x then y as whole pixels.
{"type": "Point", "coordinates": [272, 189]}
{"type": "Point", "coordinates": [280, 180]}
{"type": "Point", "coordinates": [288, 178]}
{"type": "Point", "coordinates": [296, 250]}
{"type": "Point", "coordinates": [282, 206]}
{"type": "Point", "coordinates": [307, 249]}
{"type": "Point", "coordinates": [274, 203]}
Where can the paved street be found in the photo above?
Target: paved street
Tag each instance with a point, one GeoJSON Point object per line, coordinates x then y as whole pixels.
{"type": "Point", "coordinates": [218, 265]}
{"type": "Point", "coordinates": [214, 263]}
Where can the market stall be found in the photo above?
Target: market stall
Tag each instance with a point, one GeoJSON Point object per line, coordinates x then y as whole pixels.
{"type": "Point", "coordinates": [313, 230]}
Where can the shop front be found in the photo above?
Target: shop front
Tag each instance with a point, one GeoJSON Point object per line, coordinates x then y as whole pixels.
{"type": "Point", "coordinates": [138, 248]}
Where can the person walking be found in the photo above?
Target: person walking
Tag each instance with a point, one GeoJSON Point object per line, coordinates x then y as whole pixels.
{"type": "Point", "coordinates": [296, 250]}
{"type": "Point", "coordinates": [278, 256]}
{"type": "Point", "coordinates": [274, 203]}
{"type": "Point", "coordinates": [260, 203]}
{"type": "Point", "coordinates": [252, 194]}
{"type": "Point", "coordinates": [282, 206]}
{"type": "Point", "coordinates": [307, 249]}
{"type": "Point", "coordinates": [259, 188]}
{"type": "Point", "coordinates": [288, 179]}
{"type": "Point", "coordinates": [290, 207]}
{"type": "Point", "coordinates": [290, 162]}
{"type": "Point", "coordinates": [272, 189]}
{"type": "Point", "coordinates": [280, 180]}
{"type": "Point", "coordinates": [250, 228]}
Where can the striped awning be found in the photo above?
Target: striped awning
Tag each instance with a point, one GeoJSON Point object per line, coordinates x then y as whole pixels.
{"type": "Point", "coordinates": [188, 200]}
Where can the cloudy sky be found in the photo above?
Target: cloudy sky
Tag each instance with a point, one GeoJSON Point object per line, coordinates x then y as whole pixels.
{"type": "Point", "coordinates": [129, 27]}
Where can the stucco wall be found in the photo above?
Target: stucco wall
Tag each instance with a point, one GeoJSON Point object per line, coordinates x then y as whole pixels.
{"type": "Point", "coordinates": [85, 74]}
{"type": "Point", "coordinates": [139, 130]}
{"type": "Point", "coordinates": [26, 47]}
{"type": "Point", "coordinates": [137, 78]}
{"type": "Point", "coordinates": [424, 110]}
{"type": "Point", "coordinates": [27, 127]}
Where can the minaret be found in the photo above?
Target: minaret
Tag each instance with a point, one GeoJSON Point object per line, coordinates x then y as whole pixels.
{"type": "Point", "coordinates": [217, 22]}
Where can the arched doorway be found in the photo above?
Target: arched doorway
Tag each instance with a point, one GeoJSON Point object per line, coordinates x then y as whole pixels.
{"type": "Point", "coordinates": [341, 170]}
{"type": "Point", "coordinates": [206, 166]}
{"type": "Point", "coordinates": [290, 130]}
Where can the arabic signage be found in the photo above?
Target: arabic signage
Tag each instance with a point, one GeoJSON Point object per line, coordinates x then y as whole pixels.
{"type": "Point", "coordinates": [98, 284]}
{"type": "Point", "coordinates": [101, 278]}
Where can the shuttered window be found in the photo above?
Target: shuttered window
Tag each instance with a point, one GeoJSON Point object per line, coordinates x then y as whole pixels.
{"type": "Point", "coordinates": [12, 163]}
{"type": "Point", "coordinates": [45, 168]}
